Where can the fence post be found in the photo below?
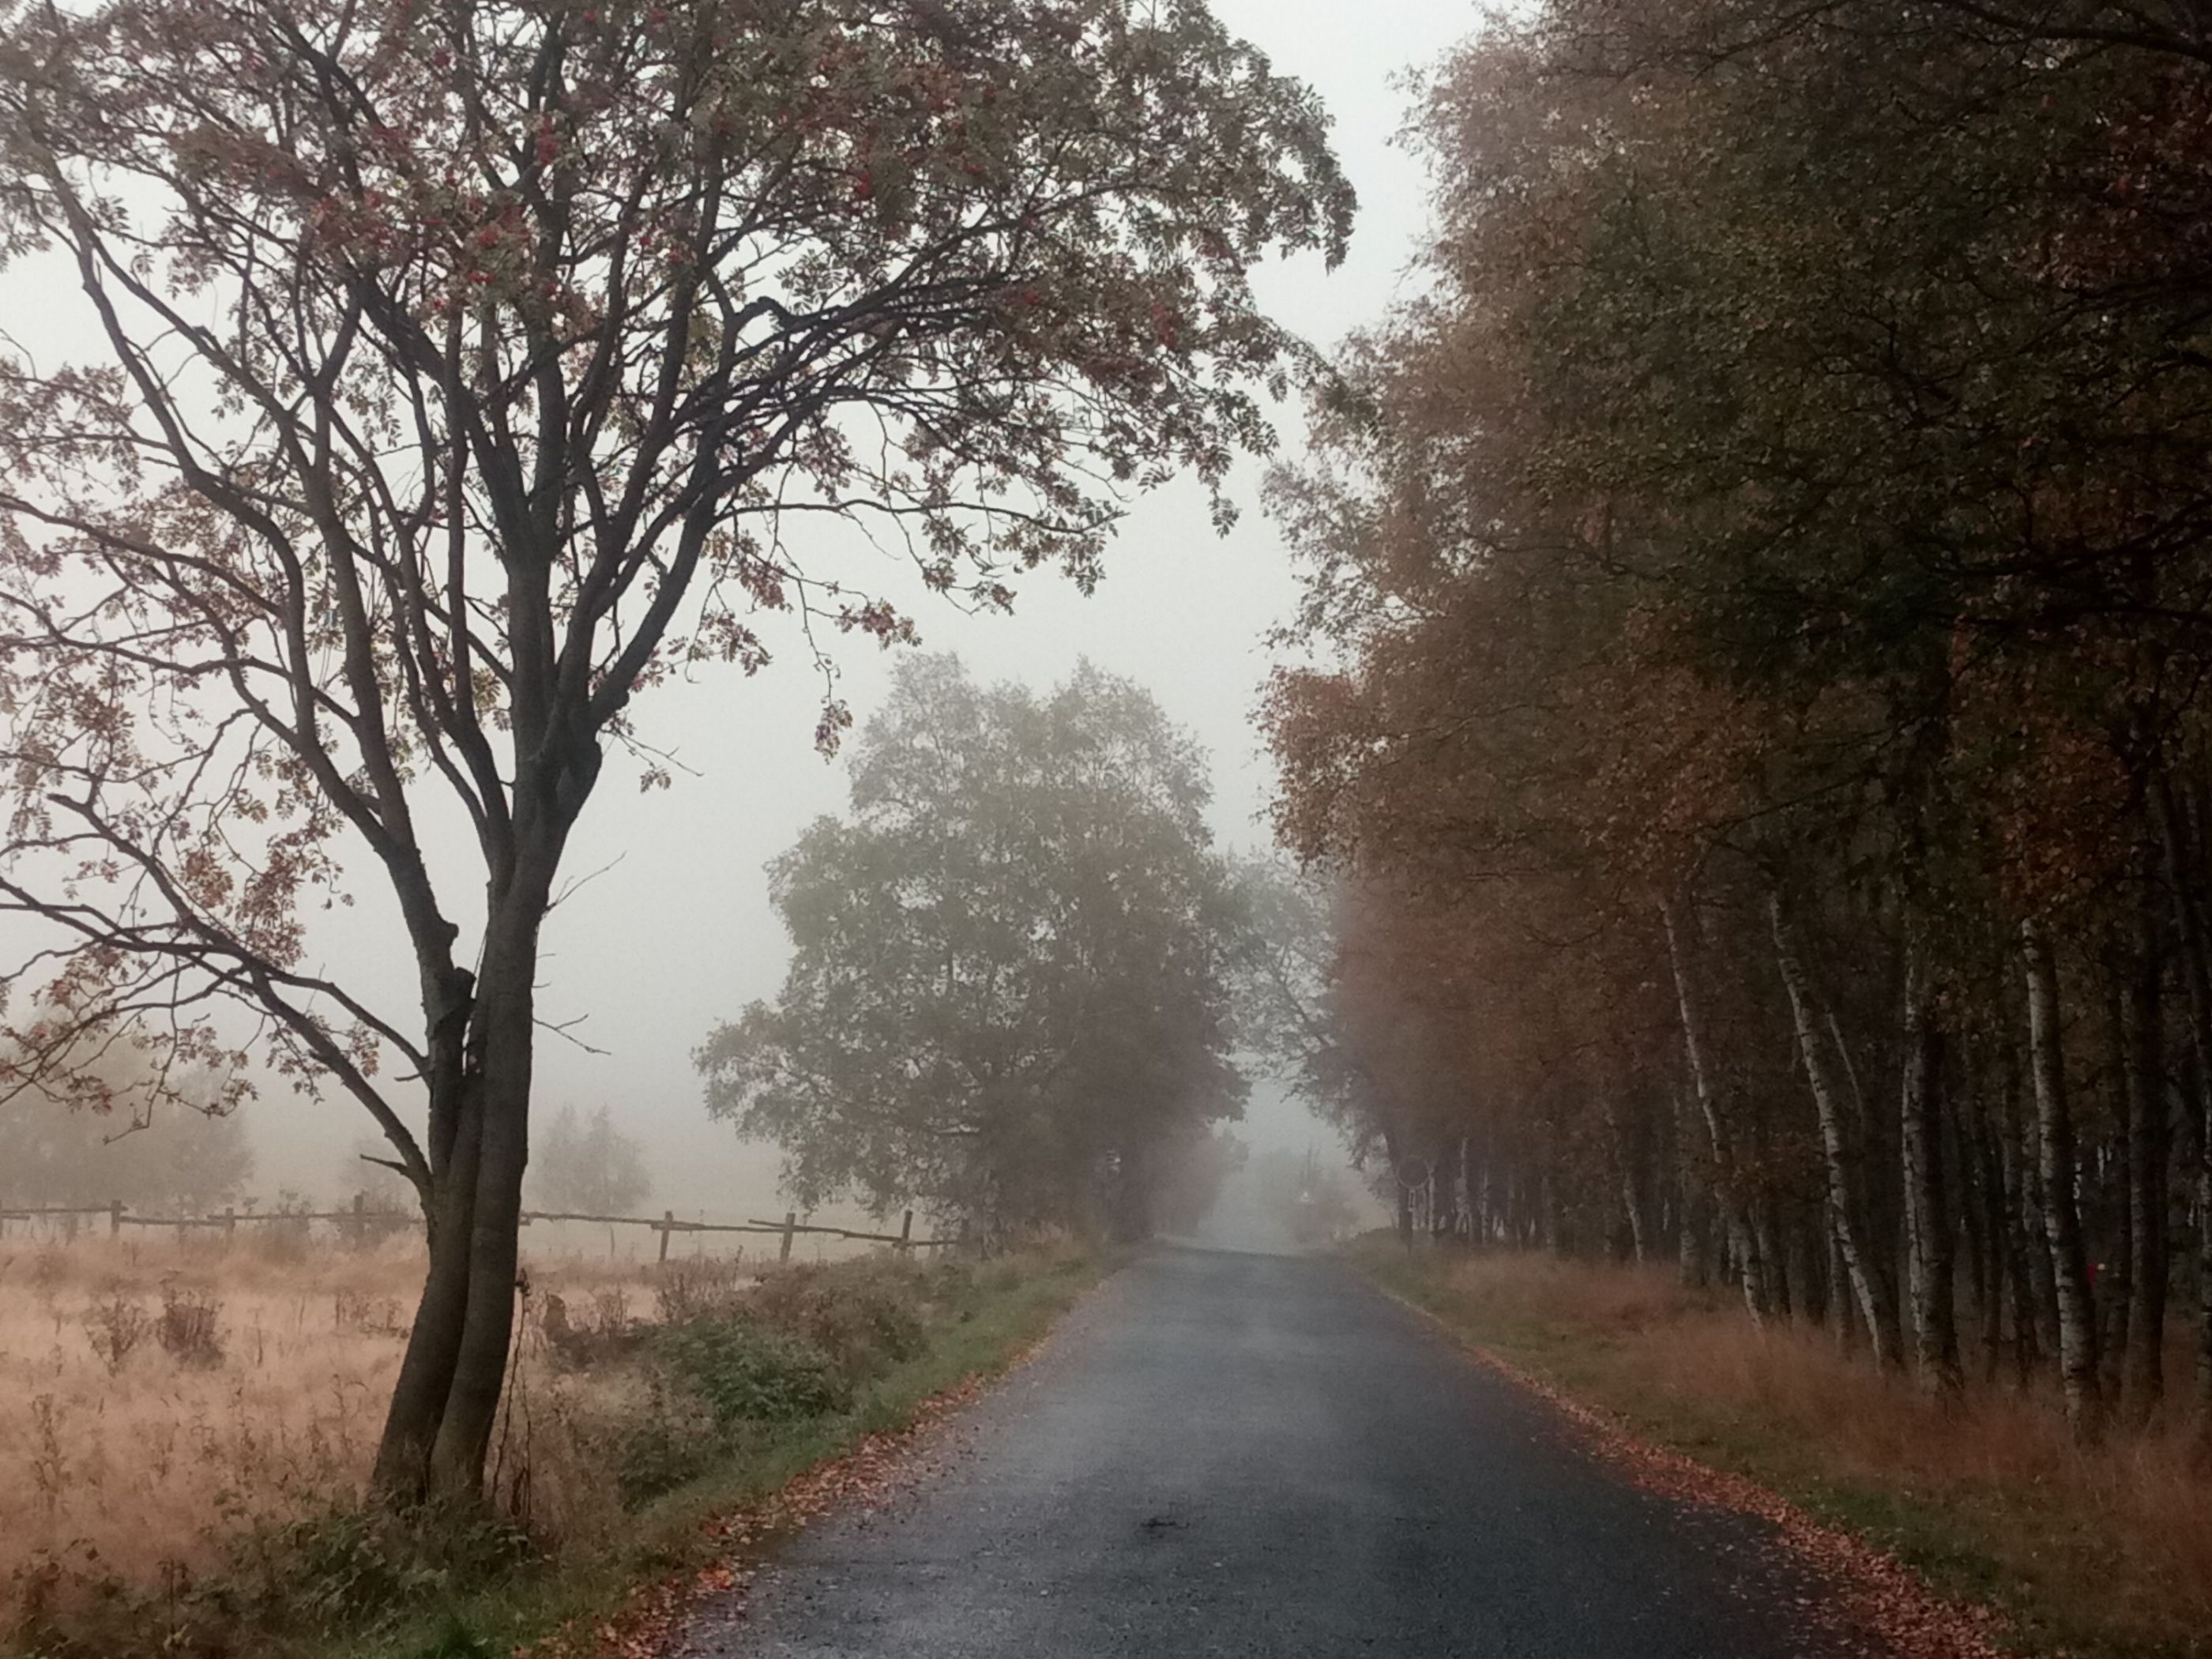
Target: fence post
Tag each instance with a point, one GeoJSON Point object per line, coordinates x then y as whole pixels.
{"type": "Point", "coordinates": [906, 1234]}
{"type": "Point", "coordinates": [667, 1227]}
{"type": "Point", "coordinates": [229, 1224]}
{"type": "Point", "coordinates": [790, 1232]}
{"type": "Point", "coordinates": [360, 1220]}
{"type": "Point", "coordinates": [114, 1217]}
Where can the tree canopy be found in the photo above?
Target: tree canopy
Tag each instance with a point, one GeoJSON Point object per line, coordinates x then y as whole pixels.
{"type": "Point", "coordinates": [1010, 994]}
{"type": "Point", "coordinates": [1759, 593]}
{"type": "Point", "coordinates": [445, 376]}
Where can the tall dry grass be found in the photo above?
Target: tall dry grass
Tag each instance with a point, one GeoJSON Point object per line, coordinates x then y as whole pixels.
{"type": "Point", "coordinates": [2104, 1549]}
{"type": "Point", "coordinates": [159, 1400]}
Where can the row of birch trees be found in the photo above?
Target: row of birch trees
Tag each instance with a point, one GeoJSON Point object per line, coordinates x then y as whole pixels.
{"type": "Point", "coordinates": [1756, 620]}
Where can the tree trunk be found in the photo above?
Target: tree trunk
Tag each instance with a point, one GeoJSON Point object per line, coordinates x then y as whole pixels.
{"type": "Point", "coordinates": [1404, 1217]}
{"type": "Point", "coordinates": [505, 1040]}
{"type": "Point", "coordinates": [1622, 1147]}
{"type": "Point", "coordinates": [2185, 869]}
{"type": "Point", "coordinates": [434, 1342]}
{"type": "Point", "coordinates": [1872, 1285]}
{"type": "Point", "coordinates": [445, 1402]}
{"type": "Point", "coordinates": [1927, 1213]}
{"type": "Point", "coordinates": [2107, 1228]}
{"type": "Point", "coordinates": [1842, 1307]}
{"type": "Point", "coordinates": [2143, 1383]}
{"type": "Point", "coordinates": [1693, 1254]}
{"type": "Point", "coordinates": [2062, 1219]}
{"type": "Point", "coordinates": [1979, 1149]}
{"type": "Point", "coordinates": [1728, 1183]}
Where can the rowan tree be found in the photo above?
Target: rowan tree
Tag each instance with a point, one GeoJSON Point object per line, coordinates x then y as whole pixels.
{"type": "Point", "coordinates": [454, 371]}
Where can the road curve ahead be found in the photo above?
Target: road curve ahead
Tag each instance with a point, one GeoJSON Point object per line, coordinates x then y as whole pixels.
{"type": "Point", "coordinates": [1228, 1454]}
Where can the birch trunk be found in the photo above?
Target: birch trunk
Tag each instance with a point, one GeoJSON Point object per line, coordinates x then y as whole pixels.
{"type": "Point", "coordinates": [1927, 1215]}
{"type": "Point", "coordinates": [2184, 867]}
{"type": "Point", "coordinates": [2143, 1383]}
{"type": "Point", "coordinates": [1872, 1286]}
{"type": "Point", "coordinates": [1682, 936]}
{"type": "Point", "coordinates": [2062, 1219]}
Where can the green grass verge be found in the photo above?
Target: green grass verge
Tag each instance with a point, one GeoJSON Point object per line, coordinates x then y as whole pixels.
{"type": "Point", "coordinates": [2063, 1581]}
{"type": "Point", "coordinates": [1009, 1310]}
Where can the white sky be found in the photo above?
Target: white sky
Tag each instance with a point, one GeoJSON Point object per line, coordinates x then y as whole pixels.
{"type": "Point", "coordinates": [677, 934]}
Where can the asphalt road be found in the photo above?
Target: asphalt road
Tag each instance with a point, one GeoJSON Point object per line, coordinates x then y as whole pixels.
{"type": "Point", "coordinates": [1221, 1453]}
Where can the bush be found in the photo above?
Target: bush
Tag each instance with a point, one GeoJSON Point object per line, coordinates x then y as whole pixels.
{"type": "Point", "coordinates": [115, 1325]}
{"type": "Point", "coordinates": [701, 1288]}
{"type": "Point", "coordinates": [190, 1329]}
{"type": "Point", "coordinates": [350, 1569]}
{"type": "Point", "coordinates": [863, 1315]}
{"type": "Point", "coordinates": [658, 1449]}
{"type": "Point", "coordinates": [744, 1372]}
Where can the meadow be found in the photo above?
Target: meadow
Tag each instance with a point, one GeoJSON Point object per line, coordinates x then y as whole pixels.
{"type": "Point", "coordinates": [186, 1427]}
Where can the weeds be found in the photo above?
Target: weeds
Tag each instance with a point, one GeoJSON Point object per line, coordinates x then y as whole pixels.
{"type": "Point", "coordinates": [115, 1324]}
{"type": "Point", "coordinates": [190, 1328]}
{"type": "Point", "coordinates": [703, 1288]}
{"type": "Point", "coordinates": [366, 1313]}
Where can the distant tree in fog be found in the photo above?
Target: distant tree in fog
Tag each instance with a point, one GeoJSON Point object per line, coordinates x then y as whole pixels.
{"type": "Point", "coordinates": [1008, 995]}
{"type": "Point", "coordinates": [437, 380]}
{"type": "Point", "coordinates": [365, 1173]}
{"type": "Point", "coordinates": [586, 1165]}
{"type": "Point", "coordinates": [1196, 1170]}
{"type": "Point", "coordinates": [174, 1149]}
{"type": "Point", "coordinates": [1315, 1202]}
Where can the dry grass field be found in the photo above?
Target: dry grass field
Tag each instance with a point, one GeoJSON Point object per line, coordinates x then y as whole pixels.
{"type": "Point", "coordinates": [159, 1398]}
{"type": "Point", "coordinates": [186, 1426]}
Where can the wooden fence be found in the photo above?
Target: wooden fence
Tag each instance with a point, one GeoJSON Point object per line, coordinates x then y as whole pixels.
{"type": "Point", "coordinates": [360, 1220]}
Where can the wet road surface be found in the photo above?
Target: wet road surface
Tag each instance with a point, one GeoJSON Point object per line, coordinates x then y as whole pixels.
{"type": "Point", "coordinates": [1229, 1455]}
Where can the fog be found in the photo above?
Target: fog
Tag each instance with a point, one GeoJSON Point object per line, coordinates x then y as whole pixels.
{"type": "Point", "coordinates": [667, 929]}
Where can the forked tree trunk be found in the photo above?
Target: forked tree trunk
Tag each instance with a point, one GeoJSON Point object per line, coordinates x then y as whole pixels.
{"type": "Point", "coordinates": [1927, 1214]}
{"type": "Point", "coordinates": [1872, 1286]}
{"type": "Point", "coordinates": [2062, 1219]}
{"type": "Point", "coordinates": [1728, 1183]}
{"type": "Point", "coordinates": [434, 1343]}
{"type": "Point", "coordinates": [483, 1045]}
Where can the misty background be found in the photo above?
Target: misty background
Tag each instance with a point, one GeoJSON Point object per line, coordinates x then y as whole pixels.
{"type": "Point", "coordinates": [667, 927]}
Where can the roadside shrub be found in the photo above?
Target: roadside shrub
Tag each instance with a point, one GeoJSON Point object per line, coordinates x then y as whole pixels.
{"type": "Point", "coordinates": [658, 1448]}
{"type": "Point", "coordinates": [701, 1288]}
{"type": "Point", "coordinates": [349, 1569]}
{"type": "Point", "coordinates": [863, 1315]}
{"type": "Point", "coordinates": [745, 1373]}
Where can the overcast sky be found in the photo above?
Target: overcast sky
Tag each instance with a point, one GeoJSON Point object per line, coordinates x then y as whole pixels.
{"type": "Point", "coordinates": [677, 933]}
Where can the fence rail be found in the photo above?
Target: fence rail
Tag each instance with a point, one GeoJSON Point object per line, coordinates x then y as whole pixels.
{"type": "Point", "coordinates": [359, 1218]}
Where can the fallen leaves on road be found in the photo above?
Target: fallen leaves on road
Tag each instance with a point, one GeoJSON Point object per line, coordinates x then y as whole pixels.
{"type": "Point", "coordinates": [864, 1478]}
{"type": "Point", "coordinates": [1880, 1604]}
